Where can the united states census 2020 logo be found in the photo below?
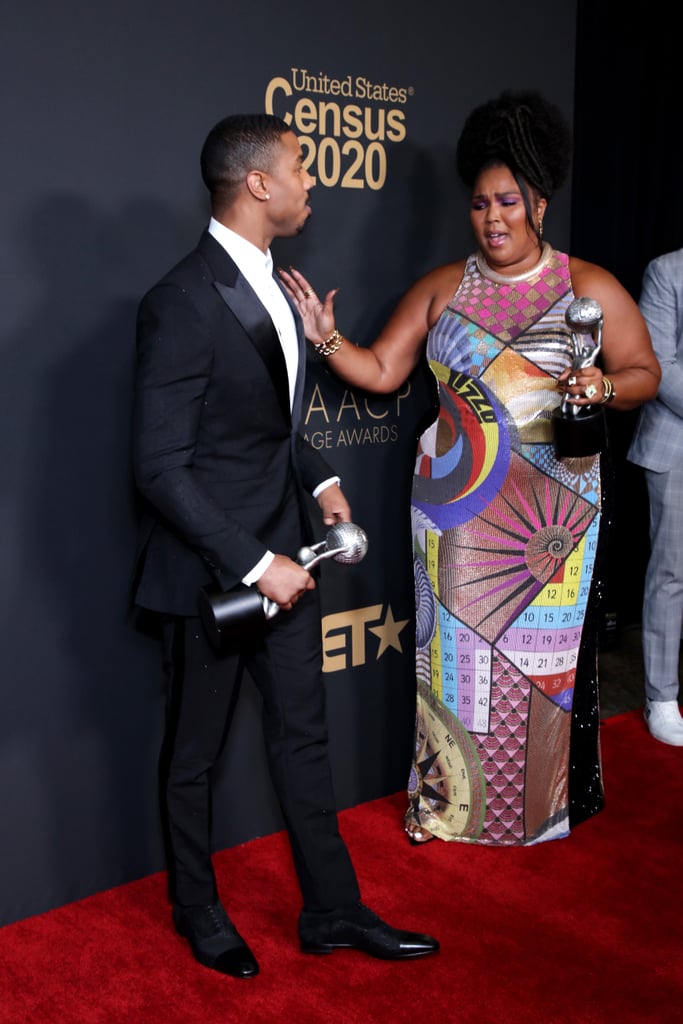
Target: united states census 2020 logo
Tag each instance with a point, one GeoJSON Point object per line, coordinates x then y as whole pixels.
{"type": "Point", "coordinates": [344, 125]}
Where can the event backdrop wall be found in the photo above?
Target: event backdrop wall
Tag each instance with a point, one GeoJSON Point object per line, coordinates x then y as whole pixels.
{"type": "Point", "coordinates": [627, 208]}
{"type": "Point", "coordinates": [104, 109]}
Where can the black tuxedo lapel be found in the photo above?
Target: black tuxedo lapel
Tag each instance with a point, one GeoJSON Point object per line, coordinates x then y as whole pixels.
{"type": "Point", "coordinates": [301, 364]}
{"type": "Point", "coordinates": [241, 298]}
{"type": "Point", "coordinates": [247, 307]}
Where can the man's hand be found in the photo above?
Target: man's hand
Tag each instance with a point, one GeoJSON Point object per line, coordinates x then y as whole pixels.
{"type": "Point", "coordinates": [285, 581]}
{"type": "Point", "coordinates": [334, 506]}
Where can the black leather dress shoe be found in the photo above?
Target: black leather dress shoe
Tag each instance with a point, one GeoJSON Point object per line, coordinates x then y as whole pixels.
{"type": "Point", "coordinates": [215, 941]}
{"type": "Point", "coordinates": [358, 927]}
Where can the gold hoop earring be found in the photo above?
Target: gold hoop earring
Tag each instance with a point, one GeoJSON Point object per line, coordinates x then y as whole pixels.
{"type": "Point", "coordinates": [540, 227]}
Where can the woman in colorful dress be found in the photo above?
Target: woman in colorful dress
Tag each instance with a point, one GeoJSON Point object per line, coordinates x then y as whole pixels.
{"type": "Point", "coordinates": [505, 532]}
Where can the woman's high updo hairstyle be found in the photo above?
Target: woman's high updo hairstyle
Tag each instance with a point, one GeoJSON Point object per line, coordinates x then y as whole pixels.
{"type": "Point", "coordinates": [523, 131]}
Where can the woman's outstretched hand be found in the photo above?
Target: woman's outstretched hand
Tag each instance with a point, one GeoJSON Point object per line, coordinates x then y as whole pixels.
{"type": "Point", "coordinates": [318, 317]}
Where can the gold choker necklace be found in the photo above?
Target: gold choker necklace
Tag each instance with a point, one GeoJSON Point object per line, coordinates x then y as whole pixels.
{"type": "Point", "coordinates": [493, 275]}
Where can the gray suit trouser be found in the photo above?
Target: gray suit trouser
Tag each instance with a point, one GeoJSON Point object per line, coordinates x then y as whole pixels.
{"type": "Point", "coordinates": [663, 593]}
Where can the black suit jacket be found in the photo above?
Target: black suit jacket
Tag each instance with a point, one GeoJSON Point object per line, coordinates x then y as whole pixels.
{"type": "Point", "coordinates": [216, 452]}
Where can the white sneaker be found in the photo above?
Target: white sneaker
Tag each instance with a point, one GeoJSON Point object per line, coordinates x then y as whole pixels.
{"type": "Point", "coordinates": [663, 719]}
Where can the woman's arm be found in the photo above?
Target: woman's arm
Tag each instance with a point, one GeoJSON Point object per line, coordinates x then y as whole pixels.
{"type": "Point", "coordinates": [627, 357]}
{"type": "Point", "coordinates": [391, 358]}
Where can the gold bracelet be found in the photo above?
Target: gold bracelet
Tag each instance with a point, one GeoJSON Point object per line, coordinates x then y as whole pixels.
{"type": "Point", "coordinates": [609, 392]}
{"type": "Point", "coordinates": [330, 345]}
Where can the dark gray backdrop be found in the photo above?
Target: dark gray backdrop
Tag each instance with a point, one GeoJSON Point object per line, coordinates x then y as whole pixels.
{"type": "Point", "coordinates": [104, 109]}
{"type": "Point", "coordinates": [627, 208]}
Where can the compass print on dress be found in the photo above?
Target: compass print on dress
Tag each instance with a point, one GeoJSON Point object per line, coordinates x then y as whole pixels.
{"type": "Point", "coordinates": [446, 789]}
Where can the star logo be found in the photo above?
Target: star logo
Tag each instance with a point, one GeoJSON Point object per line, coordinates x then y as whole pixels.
{"type": "Point", "coordinates": [388, 633]}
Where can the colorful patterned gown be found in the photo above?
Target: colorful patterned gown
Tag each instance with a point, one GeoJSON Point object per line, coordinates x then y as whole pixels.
{"type": "Point", "coordinates": [505, 538]}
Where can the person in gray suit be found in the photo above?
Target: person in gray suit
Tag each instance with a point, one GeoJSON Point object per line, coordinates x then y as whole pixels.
{"type": "Point", "coordinates": [657, 446]}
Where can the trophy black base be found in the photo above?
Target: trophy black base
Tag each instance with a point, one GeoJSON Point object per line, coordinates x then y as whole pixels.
{"type": "Point", "coordinates": [580, 435]}
{"type": "Point", "coordinates": [229, 614]}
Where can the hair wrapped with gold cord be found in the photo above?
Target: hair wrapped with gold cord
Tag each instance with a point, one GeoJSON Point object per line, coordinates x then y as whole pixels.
{"type": "Point", "coordinates": [522, 130]}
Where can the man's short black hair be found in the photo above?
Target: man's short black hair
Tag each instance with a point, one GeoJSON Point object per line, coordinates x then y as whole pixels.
{"type": "Point", "coordinates": [236, 145]}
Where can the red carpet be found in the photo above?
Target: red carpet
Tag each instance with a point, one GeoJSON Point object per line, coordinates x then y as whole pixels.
{"type": "Point", "coordinates": [584, 930]}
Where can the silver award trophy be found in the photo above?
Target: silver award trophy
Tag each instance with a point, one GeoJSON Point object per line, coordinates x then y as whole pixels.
{"type": "Point", "coordinates": [581, 429]}
{"type": "Point", "coordinates": [228, 613]}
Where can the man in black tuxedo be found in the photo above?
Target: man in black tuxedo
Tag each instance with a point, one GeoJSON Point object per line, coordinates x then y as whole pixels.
{"type": "Point", "coordinates": [223, 473]}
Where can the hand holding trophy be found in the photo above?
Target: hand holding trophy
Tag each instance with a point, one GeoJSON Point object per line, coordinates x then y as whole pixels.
{"type": "Point", "coordinates": [581, 430]}
{"type": "Point", "coordinates": [244, 607]}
